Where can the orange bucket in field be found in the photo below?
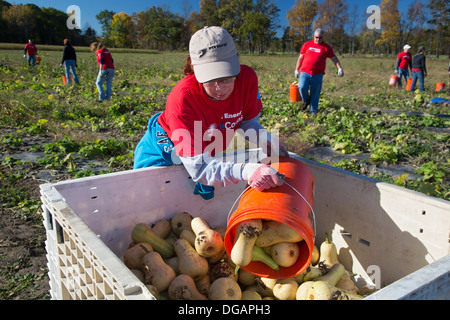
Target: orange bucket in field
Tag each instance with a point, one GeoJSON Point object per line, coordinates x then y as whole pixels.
{"type": "Point", "coordinates": [294, 93]}
{"type": "Point", "coordinates": [65, 79]}
{"type": "Point", "coordinates": [440, 86]}
{"type": "Point", "coordinates": [290, 204]}
{"type": "Point", "coordinates": [393, 80]}
{"type": "Point", "coordinates": [408, 84]}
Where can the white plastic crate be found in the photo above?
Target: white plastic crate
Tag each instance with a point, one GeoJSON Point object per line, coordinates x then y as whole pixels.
{"type": "Point", "coordinates": [386, 234]}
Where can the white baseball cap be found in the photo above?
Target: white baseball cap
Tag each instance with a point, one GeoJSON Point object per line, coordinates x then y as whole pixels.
{"type": "Point", "coordinates": [407, 46]}
{"type": "Point", "coordinates": [213, 54]}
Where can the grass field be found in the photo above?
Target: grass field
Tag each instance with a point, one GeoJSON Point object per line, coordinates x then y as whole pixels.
{"type": "Point", "coordinates": [361, 117]}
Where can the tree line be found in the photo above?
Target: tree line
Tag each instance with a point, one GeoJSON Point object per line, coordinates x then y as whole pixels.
{"type": "Point", "coordinates": [19, 23]}
{"type": "Point", "coordinates": [254, 24]}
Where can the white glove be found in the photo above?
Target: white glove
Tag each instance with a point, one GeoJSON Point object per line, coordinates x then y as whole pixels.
{"type": "Point", "coordinates": [261, 176]}
{"type": "Point", "coordinates": [340, 72]}
{"type": "Point", "coordinates": [24, 55]}
{"type": "Point", "coordinates": [297, 74]}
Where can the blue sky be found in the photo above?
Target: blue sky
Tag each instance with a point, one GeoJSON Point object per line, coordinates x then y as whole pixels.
{"type": "Point", "coordinates": [90, 8]}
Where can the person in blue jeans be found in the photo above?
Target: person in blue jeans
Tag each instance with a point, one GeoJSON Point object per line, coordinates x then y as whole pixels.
{"type": "Point", "coordinates": [403, 63]}
{"type": "Point", "coordinates": [69, 60]}
{"type": "Point", "coordinates": [419, 69]}
{"type": "Point", "coordinates": [310, 69]}
{"type": "Point", "coordinates": [106, 70]}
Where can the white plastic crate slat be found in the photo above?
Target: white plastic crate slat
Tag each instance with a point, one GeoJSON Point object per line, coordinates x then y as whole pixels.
{"type": "Point", "coordinates": [83, 262]}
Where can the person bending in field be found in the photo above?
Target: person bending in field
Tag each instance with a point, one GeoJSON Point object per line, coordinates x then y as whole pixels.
{"type": "Point", "coordinates": [105, 72]}
{"type": "Point", "coordinates": [69, 60]}
{"type": "Point", "coordinates": [30, 53]}
{"type": "Point", "coordinates": [205, 109]}
{"type": "Point", "coordinates": [310, 69]}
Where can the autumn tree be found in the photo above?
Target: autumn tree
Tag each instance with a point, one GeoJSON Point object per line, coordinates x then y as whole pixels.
{"type": "Point", "coordinates": [123, 30]}
{"type": "Point", "coordinates": [390, 26]}
{"type": "Point", "coordinates": [20, 16]}
{"type": "Point", "coordinates": [300, 18]}
{"type": "Point", "coordinates": [440, 20]}
{"type": "Point", "coordinates": [331, 18]}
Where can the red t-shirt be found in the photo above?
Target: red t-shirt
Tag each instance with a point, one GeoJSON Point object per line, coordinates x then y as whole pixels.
{"type": "Point", "coordinates": [31, 49]}
{"type": "Point", "coordinates": [315, 57]}
{"type": "Point", "coordinates": [196, 123]}
{"type": "Point", "coordinates": [405, 59]}
{"type": "Point", "coordinates": [104, 56]}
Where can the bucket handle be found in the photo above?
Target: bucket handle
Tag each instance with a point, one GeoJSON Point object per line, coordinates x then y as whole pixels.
{"type": "Point", "coordinates": [298, 192]}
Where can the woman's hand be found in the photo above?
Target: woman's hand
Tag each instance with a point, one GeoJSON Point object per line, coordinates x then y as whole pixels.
{"type": "Point", "coordinates": [262, 177]}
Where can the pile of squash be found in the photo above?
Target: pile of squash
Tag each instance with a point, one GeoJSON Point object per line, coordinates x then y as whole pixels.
{"type": "Point", "coordinates": [183, 258]}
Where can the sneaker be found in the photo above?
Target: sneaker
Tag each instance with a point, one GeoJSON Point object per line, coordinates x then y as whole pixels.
{"type": "Point", "coordinates": [305, 106]}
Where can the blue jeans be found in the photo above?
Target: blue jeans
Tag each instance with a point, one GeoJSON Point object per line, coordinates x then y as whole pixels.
{"type": "Point", "coordinates": [404, 73]}
{"type": "Point", "coordinates": [105, 76]}
{"type": "Point", "coordinates": [310, 87]}
{"type": "Point", "coordinates": [417, 75]}
{"type": "Point", "coordinates": [31, 60]}
{"type": "Point", "coordinates": [69, 65]}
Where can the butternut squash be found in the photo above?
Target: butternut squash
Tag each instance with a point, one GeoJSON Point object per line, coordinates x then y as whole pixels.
{"type": "Point", "coordinates": [208, 242]}
{"type": "Point", "coordinates": [312, 273]}
{"type": "Point", "coordinates": [274, 232]}
{"type": "Point", "coordinates": [328, 252]}
{"type": "Point", "coordinates": [285, 254]}
{"type": "Point", "coordinates": [162, 228]}
{"type": "Point", "coordinates": [334, 275]}
{"type": "Point", "coordinates": [225, 289]}
{"type": "Point", "coordinates": [315, 256]}
{"type": "Point", "coordinates": [189, 235]}
{"type": "Point", "coordinates": [247, 233]}
{"type": "Point", "coordinates": [157, 272]}
{"type": "Point", "coordinates": [143, 233]}
{"type": "Point", "coordinates": [183, 288]}
{"type": "Point", "coordinates": [285, 289]}
{"type": "Point", "coordinates": [223, 269]}
{"type": "Point", "coordinates": [246, 278]}
{"type": "Point", "coordinates": [302, 289]}
{"type": "Point", "coordinates": [204, 284]}
{"type": "Point", "coordinates": [259, 255]}
{"type": "Point", "coordinates": [180, 222]}
{"type": "Point", "coordinates": [322, 290]}
{"type": "Point", "coordinates": [265, 286]}
{"type": "Point", "coordinates": [347, 283]}
{"type": "Point", "coordinates": [134, 254]}
{"type": "Point", "coordinates": [173, 263]}
{"type": "Point", "coordinates": [189, 261]}
{"type": "Point", "coordinates": [250, 295]}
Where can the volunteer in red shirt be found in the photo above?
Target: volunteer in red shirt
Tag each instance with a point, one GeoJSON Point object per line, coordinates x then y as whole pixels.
{"type": "Point", "coordinates": [217, 98]}
{"type": "Point", "coordinates": [311, 67]}
{"type": "Point", "coordinates": [403, 63]}
{"type": "Point", "coordinates": [105, 72]}
{"type": "Point", "coordinates": [30, 53]}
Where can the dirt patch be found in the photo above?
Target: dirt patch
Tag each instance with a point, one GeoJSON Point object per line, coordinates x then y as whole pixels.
{"type": "Point", "coordinates": [23, 261]}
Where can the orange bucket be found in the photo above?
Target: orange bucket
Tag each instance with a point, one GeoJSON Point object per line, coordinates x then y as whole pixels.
{"type": "Point", "coordinates": [440, 86]}
{"type": "Point", "coordinates": [408, 84]}
{"type": "Point", "coordinates": [393, 80]}
{"type": "Point", "coordinates": [294, 93]}
{"type": "Point", "coordinates": [65, 79]}
{"type": "Point", "coordinates": [290, 204]}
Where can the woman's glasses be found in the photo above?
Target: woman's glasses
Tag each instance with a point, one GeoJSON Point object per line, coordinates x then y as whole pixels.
{"type": "Point", "coordinates": [214, 83]}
